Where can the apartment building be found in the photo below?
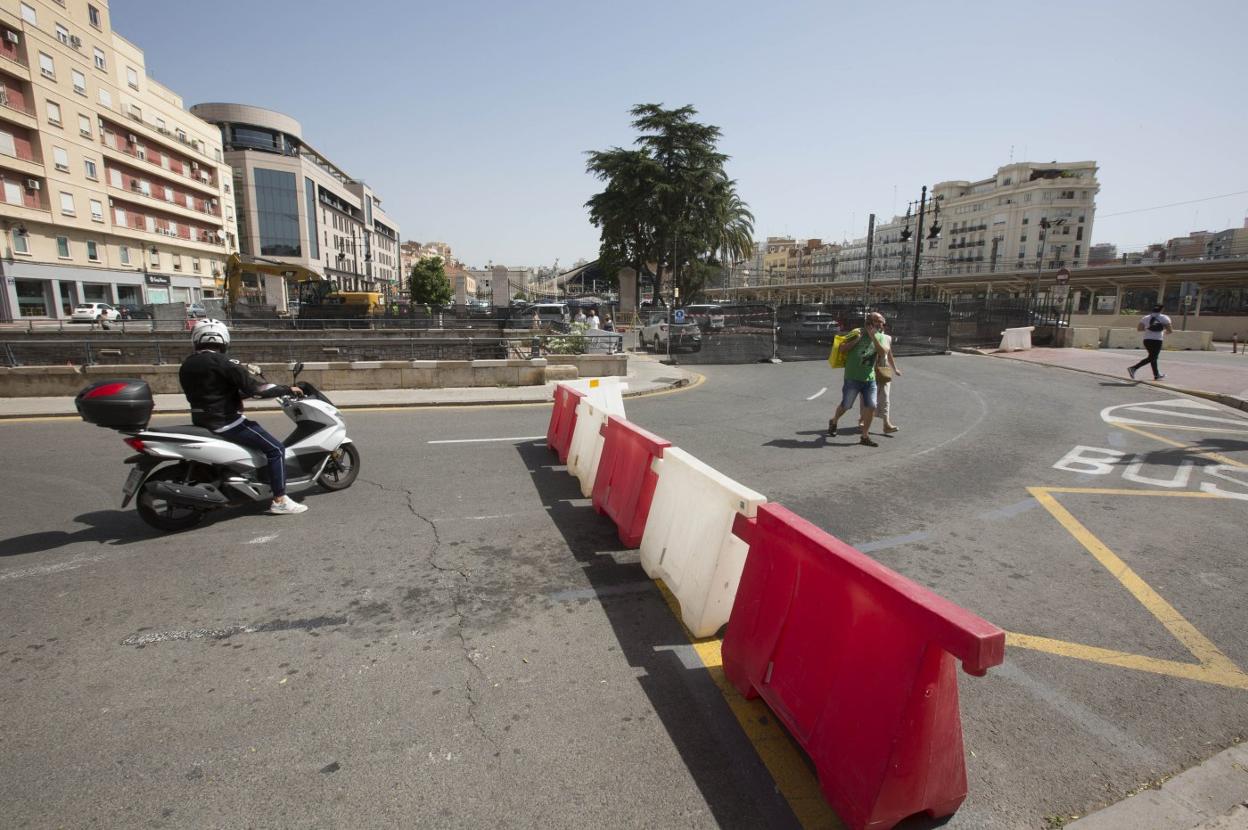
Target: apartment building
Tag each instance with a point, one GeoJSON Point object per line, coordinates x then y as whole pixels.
{"type": "Point", "coordinates": [111, 190]}
{"type": "Point", "coordinates": [996, 223]}
{"type": "Point", "coordinates": [1192, 246]}
{"type": "Point", "coordinates": [1229, 243]}
{"type": "Point", "coordinates": [295, 205]}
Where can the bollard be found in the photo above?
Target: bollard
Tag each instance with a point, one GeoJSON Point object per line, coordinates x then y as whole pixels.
{"type": "Point", "coordinates": [535, 348]}
{"type": "Point", "coordinates": [1235, 343]}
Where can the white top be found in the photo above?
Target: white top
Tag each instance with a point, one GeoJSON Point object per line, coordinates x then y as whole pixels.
{"type": "Point", "coordinates": [580, 317]}
{"type": "Point", "coordinates": [1155, 335]}
{"type": "Point", "coordinates": [594, 322]}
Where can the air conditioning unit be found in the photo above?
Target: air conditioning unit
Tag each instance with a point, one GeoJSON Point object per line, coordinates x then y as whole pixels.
{"type": "Point", "coordinates": [11, 36]}
{"type": "Point", "coordinates": [132, 138]}
{"type": "Point", "coordinates": [75, 41]}
{"type": "Point", "coordinates": [32, 184]}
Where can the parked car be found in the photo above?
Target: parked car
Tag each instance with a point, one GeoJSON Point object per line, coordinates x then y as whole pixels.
{"type": "Point", "coordinates": [816, 324]}
{"type": "Point", "coordinates": [657, 333]}
{"type": "Point", "coordinates": [134, 311]}
{"type": "Point", "coordinates": [196, 311]}
{"type": "Point", "coordinates": [708, 316]}
{"type": "Point", "coordinates": [94, 313]}
{"type": "Point", "coordinates": [557, 313]}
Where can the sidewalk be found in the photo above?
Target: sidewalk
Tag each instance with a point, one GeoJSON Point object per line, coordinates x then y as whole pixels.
{"type": "Point", "coordinates": [646, 375]}
{"type": "Point", "coordinates": [1217, 376]}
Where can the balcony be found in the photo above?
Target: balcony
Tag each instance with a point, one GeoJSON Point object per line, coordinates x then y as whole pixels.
{"type": "Point", "coordinates": [28, 167]}
{"type": "Point", "coordinates": [119, 149]}
{"type": "Point", "coordinates": [14, 64]}
{"type": "Point", "coordinates": [158, 203]}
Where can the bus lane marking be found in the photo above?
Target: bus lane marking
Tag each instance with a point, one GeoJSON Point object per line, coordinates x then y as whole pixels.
{"type": "Point", "coordinates": [1212, 665]}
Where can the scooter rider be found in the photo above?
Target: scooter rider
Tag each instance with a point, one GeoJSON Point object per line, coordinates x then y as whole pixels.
{"type": "Point", "coordinates": [215, 386]}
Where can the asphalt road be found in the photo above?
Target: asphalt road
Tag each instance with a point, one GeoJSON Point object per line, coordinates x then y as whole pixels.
{"type": "Point", "coordinates": [458, 640]}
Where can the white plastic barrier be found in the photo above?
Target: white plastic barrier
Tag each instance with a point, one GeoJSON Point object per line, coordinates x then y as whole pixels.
{"type": "Point", "coordinates": [606, 393]}
{"type": "Point", "coordinates": [586, 448]}
{"type": "Point", "coordinates": [1014, 340]}
{"type": "Point", "coordinates": [688, 541]}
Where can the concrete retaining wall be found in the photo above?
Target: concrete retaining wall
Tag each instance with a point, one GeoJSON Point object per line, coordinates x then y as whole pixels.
{"type": "Point", "coordinates": [1175, 341]}
{"type": "Point", "coordinates": [1221, 327]}
{"type": "Point", "coordinates": [1078, 338]}
{"type": "Point", "coordinates": [52, 381]}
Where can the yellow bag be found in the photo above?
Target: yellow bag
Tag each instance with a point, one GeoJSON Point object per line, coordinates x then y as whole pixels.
{"type": "Point", "coordinates": [837, 358]}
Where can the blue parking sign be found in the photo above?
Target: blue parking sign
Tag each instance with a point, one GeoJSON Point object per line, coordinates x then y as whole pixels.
{"type": "Point", "coordinates": [679, 315]}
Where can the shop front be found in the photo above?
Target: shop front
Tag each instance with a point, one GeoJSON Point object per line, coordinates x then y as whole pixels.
{"type": "Point", "coordinates": [35, 291]}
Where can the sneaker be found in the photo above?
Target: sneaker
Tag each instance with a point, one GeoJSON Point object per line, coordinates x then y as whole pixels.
{"type": "Point", "coordinates": [832, 429]}
{"type": "Point", "coordinates": [866, 441]}
{"type": "Point", "coordinates": [287, 507]}
{"type": "Point", "coordinates": [1131, 372]}
{"type": "Point", "coordinates": [1159, 377]}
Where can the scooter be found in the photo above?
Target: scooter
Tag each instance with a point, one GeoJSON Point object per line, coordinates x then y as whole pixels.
{"type": "Point", "coordinates": [181, 473]}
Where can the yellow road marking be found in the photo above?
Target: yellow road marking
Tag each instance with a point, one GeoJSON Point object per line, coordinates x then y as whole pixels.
{"type": "Point", "coordinates": [1212, 667]}
{"type": "Point", "coordinates": [784, 759]}
{"type": "Point", "coordinates": [1214, 456]}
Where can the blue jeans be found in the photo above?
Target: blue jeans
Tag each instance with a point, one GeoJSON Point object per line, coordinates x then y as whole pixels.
{"type": "Point", "coordinates": [253, 436]}
{"type": "Point", "coordinates": [851, 389]}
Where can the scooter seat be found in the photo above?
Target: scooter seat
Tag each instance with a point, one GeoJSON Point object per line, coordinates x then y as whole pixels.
{"type": "Point", "coordinates": [186, 429]}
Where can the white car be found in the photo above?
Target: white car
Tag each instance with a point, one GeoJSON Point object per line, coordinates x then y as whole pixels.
{"type": "Point", "coordinates": [658, 331]}
{"type": "Point", "coordinates": [94, 313]}
{"type": "Point", "coordinates": [707, 315]}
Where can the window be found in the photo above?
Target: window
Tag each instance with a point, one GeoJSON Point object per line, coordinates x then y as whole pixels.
{"type": "Point", "coordinates": [106, 98]}
{"type": "Point", "coordinates": [168, 193]}
{"type": "Point", "coordinates": [155, 258]}
{"type": "Point", "coordinates": [54, 113]}
{"type": "Point", "coordinates": [145, 187]}
{"type": "Point", "coordinates": [121, 218]}
{"type": "Point", "coordinates": [181, 133]}
{"type": "Point", "coordinates": [93, 251]}
{"type": "Point", "coordinates": [195, 264]}
{"type": "Point", "coordinates": [62, 34]}
{"type": "Point", "coordinates": [277, 212]}
{"type": "Point", "coordinates": [84, 125]}
{"type": "Point", "coordinates": [61, 158]}
{"type": "Point", "coordinates": [160, 124]}
{"type": "Point", "coordinates": [62, 247]}
{"type": "Point", "coordinates": [89, 167]}
{"type": "Point", "coordinates": [67, 203]}
{"type": "Point", "coordinates": [114, 177]}
{"type": "Point", "coordinates": [309, 193]}
{"type": "Point", "coordinates": [177, 262]}
{"type": "Point", "coordinates": [12, 192]}
{"type": "Point", "coordinates": [97, 210]}
{"type": "Point", "coordinates": [136, 111]}
{"type": "Point", "coordinates": [46, 67]}
{"type": "Point", "coordinates": [80, 81]}
{"type": "Point", "coordinates": [93, 14]}
{"type": "Point", "coordinates": [100, 63]}
{"type": "Point", "coordinates": [28, 14]}
{"type": "Point", "coordinates": [21, 243]}
{"type": "Point", "coordinates": [124, 254]}
{"type": "Point", "coordinates": [132, 77]}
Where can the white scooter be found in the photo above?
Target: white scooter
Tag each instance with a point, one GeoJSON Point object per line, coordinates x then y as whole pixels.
{"type": "Point", "coordinates": [182, 472]}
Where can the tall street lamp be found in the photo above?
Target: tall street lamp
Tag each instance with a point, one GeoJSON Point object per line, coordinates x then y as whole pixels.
{"type": "Point", "coordinates": [933, 234]}
{"type": "Point", "coordinates": [1045, 224]}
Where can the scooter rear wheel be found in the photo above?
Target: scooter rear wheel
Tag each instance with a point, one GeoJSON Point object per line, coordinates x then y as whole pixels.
{"type": "Point", "coordinates": [163, 515]}
{"type": "Point", "coordinates": [342, 469]}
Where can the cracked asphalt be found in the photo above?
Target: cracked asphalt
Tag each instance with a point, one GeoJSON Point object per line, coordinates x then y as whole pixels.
{"type": "Point", "coordinates": [459, 641]}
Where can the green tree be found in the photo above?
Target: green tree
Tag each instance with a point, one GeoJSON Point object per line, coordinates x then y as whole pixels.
{"type": "Point", "coordinates": [669, 202]}
{"type": "Point", "coordinates": [428, 283]}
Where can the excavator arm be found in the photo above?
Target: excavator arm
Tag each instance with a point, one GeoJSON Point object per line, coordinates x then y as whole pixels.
{"type": "Point", "coordinates": [237, 264]}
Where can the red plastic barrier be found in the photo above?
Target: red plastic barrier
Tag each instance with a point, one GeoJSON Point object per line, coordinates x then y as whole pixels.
{"type": "Point", "coordinates": [857, 661]}
{"type": "Point", "coordinates": [563, 420]}
{"type": "Point", "coordinates": [624, 486]}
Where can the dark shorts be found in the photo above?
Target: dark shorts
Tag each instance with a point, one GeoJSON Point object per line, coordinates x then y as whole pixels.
{"type": "Point", "coordinates": [851, 389]}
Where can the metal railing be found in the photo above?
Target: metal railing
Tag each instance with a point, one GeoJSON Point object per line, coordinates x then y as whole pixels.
{"type": "Point", "coordinates": [150, 351]}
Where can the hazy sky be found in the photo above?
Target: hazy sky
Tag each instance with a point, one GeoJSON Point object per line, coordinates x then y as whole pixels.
{"type": "Point", "coordinates": [471, 118]}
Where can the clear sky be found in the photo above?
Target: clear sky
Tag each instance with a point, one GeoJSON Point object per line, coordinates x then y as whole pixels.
{"type": "Point", "coordinates": [471, 119]}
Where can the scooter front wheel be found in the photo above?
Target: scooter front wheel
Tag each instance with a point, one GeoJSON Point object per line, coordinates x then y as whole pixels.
{"type": "Point", "coordinates": [164, 515]}
{"type": "Point", "coordinates": [342, 468]}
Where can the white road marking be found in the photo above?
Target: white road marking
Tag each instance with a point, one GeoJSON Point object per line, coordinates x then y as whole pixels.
{"type": "Point", "coordinates": [260, 540]}
{"type": "Point", "coordinates": [487, 440]}
{"type": "Point", "coordinates": [983, 413]}
{"type": "Point", "coordinates": [1174, 409]}
{"type": "Point", "coordinates": [50, 569]}
{"type": "Point", "coordinates": [817, 394]}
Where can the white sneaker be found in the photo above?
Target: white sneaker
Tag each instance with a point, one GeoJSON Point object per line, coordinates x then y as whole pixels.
{"type": "Point", "coordinates": [287, 507]}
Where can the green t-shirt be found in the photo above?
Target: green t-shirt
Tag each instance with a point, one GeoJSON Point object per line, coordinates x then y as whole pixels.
{"type": "Point", "coordinates": [860, 362]}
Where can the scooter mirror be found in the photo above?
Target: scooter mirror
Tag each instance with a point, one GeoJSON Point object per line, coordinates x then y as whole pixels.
{"type": "Point", "coordinates": [297, 368]}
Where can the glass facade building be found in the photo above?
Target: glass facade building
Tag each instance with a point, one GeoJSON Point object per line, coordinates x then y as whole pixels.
{"type": "Point", "coordinates": [277, 212]}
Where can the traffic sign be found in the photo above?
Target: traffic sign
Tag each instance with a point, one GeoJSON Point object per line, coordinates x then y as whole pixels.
{"type": "Point", "coordinates": [1063, 275]}
{"type": "Point", "coordinates": [678, 316]}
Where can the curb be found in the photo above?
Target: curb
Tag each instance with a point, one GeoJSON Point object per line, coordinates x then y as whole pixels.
{"type": "Point", "coordinates": [678, 384]}
{"type": "Point", "coordinates": [1217, 397]}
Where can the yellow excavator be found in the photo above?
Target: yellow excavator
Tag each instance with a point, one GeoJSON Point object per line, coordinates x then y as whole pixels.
{"type": "Point", "coordinates": [318, 297]}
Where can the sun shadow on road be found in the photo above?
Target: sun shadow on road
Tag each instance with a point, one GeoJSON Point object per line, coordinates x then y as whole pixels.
{"type": "Point", "coordinates": [737, 788]}
{"type": "Point", "coordinates": [106, 527]}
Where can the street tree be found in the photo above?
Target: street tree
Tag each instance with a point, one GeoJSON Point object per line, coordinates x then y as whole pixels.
{"type": "Point", "coordinates": [428, 283]}
{"type": "Point", "coordinates": [668, 204]}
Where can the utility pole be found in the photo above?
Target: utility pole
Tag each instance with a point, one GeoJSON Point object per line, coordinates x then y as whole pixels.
{"type": "Point", "coordinates": [918, 247]}
{"type": "Point", "coordinates": [866, 281]}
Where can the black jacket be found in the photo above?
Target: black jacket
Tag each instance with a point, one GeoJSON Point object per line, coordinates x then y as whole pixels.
{"type": "Point", "coordinates": [215, 386]}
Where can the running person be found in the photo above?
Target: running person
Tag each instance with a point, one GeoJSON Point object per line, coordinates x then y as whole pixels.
{"type": "Point", "coordinates": [1155, 327]}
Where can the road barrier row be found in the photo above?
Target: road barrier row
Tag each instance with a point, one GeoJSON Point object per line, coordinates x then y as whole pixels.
{"type": "Point", "coordinates": [854, 659]}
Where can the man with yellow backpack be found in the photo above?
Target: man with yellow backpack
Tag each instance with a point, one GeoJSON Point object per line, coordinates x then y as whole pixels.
{"type": "Point", "coordinates": [857, 352]}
